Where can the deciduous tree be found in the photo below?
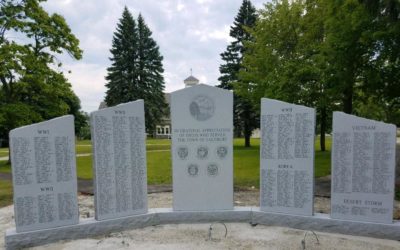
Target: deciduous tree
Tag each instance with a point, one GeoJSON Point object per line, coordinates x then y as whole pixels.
{"type": "Point", "coordinates": [327, 54]}
{"type": "Point", "coordinates": [32, 89]}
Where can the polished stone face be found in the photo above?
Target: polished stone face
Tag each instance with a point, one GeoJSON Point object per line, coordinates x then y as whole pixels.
{"type": "Point", "coordinates": [202, 131]}
{"type": "Point", "coordinates": [363, 169]}
{"type": "Point", "coordinates": [287, 157]}
{"type": "Point", "coordinates": [44, 174]}
{"type": "Point", "coordinates": [118, 135]}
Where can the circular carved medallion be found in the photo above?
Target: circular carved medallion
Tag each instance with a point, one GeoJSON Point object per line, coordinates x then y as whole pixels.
{"type": "Point", "coordinates": [202, 152]}
{"type": "Point", "coordinates": [183, 152]}
{"type": "Point", "coordinates": [222, 151]}
{"type": "Point", "coordinates": [202, 108]}
{"type": "Point", "coordinates": [193, 170]}
{"type": "Point", "coordinates": [212, 169]}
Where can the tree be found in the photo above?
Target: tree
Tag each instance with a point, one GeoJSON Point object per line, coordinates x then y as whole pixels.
{"type": "Point", "coordinates": [361, 48]}
{"type": "Point", "coordinates": [245, 116]}
{"type": "Point", "coordinates": [285, 59]}
{"type": "Point", "coordinates": [122, 75]}
{"type": "Point", "coordinates": [31, 90]}
{"type": "Point", "coordinates": [84, 132]}
{"type": "Point", "coordinates": [329, 55]}
{"type": "Point", "coordinates": [381, 74]}
{"type": "Point", "coordinates": [348, 47]}
{"type": "Point", "coordinates": [136, 70]}
{"type": "Point", "coordinates": [150, 75]}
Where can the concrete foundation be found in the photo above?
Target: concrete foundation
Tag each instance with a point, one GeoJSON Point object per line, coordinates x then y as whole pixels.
{"type": "Point", "coordinates": [90, 227]}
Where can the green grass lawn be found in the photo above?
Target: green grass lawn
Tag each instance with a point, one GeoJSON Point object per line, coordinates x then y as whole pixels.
{"type": "Point", "coordinates": [83, 142]}
{"type": "Point", "coordinates": [5, 167]}
{"type": "Point", "coordinates": [3, 152]}
{"type": "Point", "coordinates": [159, 169]}
{"type": "Point", "coordinates": [152, 141]}
{"type": "Point", "coordinates": [246, 164]}
{"type": "Point", "coordinates": [246, 170]}
{"type": "Point", "coordinates": [246, 161]}
{"type": "Point", "coordinates": [6, 194]}
{"type": "Point", "coordinates": [83, 149]}
{"type": "Point", "coordinates": [84, 167]}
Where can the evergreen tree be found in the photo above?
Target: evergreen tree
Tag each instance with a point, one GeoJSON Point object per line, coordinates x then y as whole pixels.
{"type": "Point", "coordinates": [245, 117]}
{"type": "Point", "coordinates": [122, 75]}
{"type": "Point", "coordinates": [136, 70]}
{"type": "Point", "coordinates": [150, 75]}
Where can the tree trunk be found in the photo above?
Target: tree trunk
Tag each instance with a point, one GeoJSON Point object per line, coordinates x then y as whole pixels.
{"type": "Point", "coordinates": [323, 129]}
{"type": "Point", "coordinates": [348, 100]}
{"type": "Point", "coordinates": [247, 134]}
{"type": "Point", "coordinates": [247, 141]}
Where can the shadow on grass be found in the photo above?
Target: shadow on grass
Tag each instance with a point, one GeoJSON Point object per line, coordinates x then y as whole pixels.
{"type": "Point", "coordinates": [5, 167]}
{"type": "Point", "coordinates": [6, 193]}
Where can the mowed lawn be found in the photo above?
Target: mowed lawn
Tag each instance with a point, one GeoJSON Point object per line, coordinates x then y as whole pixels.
{"type": "Point", "coordinates": [246, 164]}
{"type": "Point", "coordinates": [159, 171]}
{"type": "Point", "coordinates": [158, 161]}
{"type": "Point", "coordinates": [3, 152]}
{"type": "Point", "coordinates": [246, 161]}
{"type": "Point", "coordinates": [6, 194]}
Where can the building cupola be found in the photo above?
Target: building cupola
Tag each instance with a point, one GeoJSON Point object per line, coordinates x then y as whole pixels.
{"type": "Point", "coordinates": [191, 80]}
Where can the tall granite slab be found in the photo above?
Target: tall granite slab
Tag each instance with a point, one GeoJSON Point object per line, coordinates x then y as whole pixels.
{"type": "Point", "coordinates": [202, 132]}
{"type": "Point", "coordinates": [119, 165]}
{"type": "Point", "coordinates": [287, 158]}
{"type": "Point", "coordinates": [44, 174]}
{"type": "Point", "coordinates": [363, 164]}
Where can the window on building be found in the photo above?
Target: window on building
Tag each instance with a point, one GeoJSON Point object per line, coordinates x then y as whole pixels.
{"type": "Point", "coordinates": [167, 130]}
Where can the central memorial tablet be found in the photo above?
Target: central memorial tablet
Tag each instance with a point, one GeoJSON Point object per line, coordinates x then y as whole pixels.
{"type": "Point", "coordinates": [202, 125]}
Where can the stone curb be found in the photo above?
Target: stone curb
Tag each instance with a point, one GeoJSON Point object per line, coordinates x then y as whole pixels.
{"type": "Point", "coordinates": [158, 216]}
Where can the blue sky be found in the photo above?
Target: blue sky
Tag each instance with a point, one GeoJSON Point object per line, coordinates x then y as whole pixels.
{"type": "Point", "coordinates": [191, 34]}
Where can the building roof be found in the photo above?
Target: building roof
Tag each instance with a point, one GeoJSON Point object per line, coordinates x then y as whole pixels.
{"type": "Point", "coordinates": [191, 78]}
{"type": "Point", "coordinates": [103, 105]}
{"type": "Point", "coordinates": [167, 97]}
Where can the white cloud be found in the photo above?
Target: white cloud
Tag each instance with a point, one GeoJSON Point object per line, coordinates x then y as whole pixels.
{"type": "Point", "coordinates": [191, 34]}
{"type": "Point", "coordinates": [88, 83]}
{"type": "Point", "coordinates": [204, 1]}
{"type": "Point", "coordinates": [180, 7]}
{"type": "Point", "coordinates": [222, 34]}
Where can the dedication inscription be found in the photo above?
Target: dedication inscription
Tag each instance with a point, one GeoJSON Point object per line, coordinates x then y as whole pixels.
{"type": "Point", "coordinates": [287, 157]}
{"type": "Point", "coordinates": [363, 168]}
{"type": "Point", "coordinates": [44, 174]}
{"type": "Point", "coordinates": [202, 125]}
{"type": "Point", "coordinates": [119, 165]}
